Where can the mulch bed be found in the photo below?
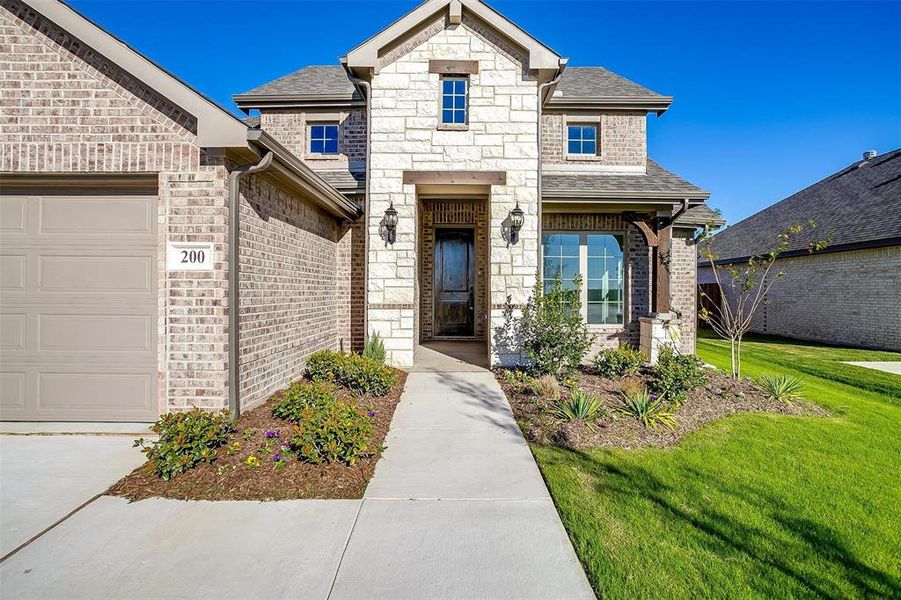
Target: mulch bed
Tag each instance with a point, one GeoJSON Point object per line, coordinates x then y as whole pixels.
{"type": "Point", "coordinates": [721, 397]}
{"type": "Point", "coordinates": [228, 478]}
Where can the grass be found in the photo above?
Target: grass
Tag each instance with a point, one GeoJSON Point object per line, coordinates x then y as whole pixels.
{"type": "Point", "coordinates": [752, 505]}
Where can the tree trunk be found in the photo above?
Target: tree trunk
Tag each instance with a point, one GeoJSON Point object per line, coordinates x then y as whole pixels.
{"type": "Point", "coordinates": [732, 356]}
{"type": "Point", "coordinates": [738, 359]}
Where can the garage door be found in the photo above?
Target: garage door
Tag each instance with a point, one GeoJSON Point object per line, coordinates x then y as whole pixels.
{"type": "Point", "coordinates": [78, 306]}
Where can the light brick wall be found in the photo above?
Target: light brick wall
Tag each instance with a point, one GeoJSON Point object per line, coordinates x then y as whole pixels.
{"type": "Point", "coordinates": [288, 281]}
{"type": "Point", "coordinates": [351, 292]}
{"type": "Point", "coordinates": [289, 127]}
{"type": "Point", "coordinates": [842, 298]}
{"type": "Point", "coordinates": [683, 287]}
{"type": "Point", "coordinates": [622, 139]}
{"type": "Point", "coordinates": [502, 136]}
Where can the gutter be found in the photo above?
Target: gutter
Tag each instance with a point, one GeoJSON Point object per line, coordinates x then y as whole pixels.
{"type": "Point", "coordinates": [657, 104]}
{"type": "Point", "coordinates": [234, 238]}
{"type": "Point", "coordinates": [541, 88]}
{"type": "Point", "coordinates": [364, 85]}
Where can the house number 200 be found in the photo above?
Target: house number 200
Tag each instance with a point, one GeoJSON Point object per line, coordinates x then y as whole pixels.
{"type": "Point", "coordinates": [192, 257]}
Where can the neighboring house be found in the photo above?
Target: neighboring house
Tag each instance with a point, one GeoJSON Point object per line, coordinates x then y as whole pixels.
{"type": "Point", "coordinates": [411, 191]}
{"type": "Point", "coordinates": [850, 293]}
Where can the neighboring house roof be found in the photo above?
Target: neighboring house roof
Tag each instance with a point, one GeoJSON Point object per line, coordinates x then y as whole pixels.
{"type": "Point", "coordinates": [656, 184]}
{"type": "Point", "coordinates": [309, 83]}
{"type": "Point", "coordinates": [597, 85]}
{"type": "Point", "coordinates": [860, 204]}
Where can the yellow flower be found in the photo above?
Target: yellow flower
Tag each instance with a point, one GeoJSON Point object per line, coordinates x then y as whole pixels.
{"type": "Point", "coordinates": [252, 461]}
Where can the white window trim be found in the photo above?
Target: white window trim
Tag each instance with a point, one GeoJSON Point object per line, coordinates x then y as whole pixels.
{"type": "Point", "coordinates": [309, 140]}
{"type": "Point", "coordinates": [583, 272]}
{"type": "Point", "coordinates": [453, 126]}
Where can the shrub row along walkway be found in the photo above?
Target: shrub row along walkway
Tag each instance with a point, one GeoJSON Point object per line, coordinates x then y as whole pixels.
{"type": "Point", "coordinates": [457, 509]}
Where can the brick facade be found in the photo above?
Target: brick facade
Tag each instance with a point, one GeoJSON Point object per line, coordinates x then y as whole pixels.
{"type": "Point", "coordinates": [289, 127]}
{"type": "Point", "coordinates": [622, 139]}
{"type": "Point", "coordinates": [842, 298]}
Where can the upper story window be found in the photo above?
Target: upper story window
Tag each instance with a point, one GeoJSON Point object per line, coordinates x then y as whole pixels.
{"type": "Point", "coordinates": [582, 139]}
{"type": "Point", "coordinates": [597, 258]}
{"type": "Point", "coordinates": [453, 100]}
{"type": "Point", "coordinates": [324, 138]}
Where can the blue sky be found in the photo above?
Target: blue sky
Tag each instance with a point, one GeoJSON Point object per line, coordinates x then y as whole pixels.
{"type": "Point", "coordinates": [769, 96]}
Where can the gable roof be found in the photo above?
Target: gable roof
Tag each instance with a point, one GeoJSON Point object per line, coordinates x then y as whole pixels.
{"type": "Point", "coordinates": [655, 184]}
{"type": "Point", "coordinates": [860, 203]}
{"type": "Point", "coordinates": [599, 86]}
{"type": "Point", "coordinates": [314, 83]}
{"type": "Point", "coordinates": [364, 57]}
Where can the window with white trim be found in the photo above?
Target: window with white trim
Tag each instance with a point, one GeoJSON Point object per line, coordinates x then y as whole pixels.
{"type": "Point", "coordinates": [598, 259]}
{"type": "Point", "coordinates": [453, 100]}
{"type": "Point", "coordinates": [582, 139]}
{"type": "Point", "coordinates": [324, 138]}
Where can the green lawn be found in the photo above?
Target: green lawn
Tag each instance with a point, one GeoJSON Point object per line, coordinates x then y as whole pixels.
{"type": "Point", "coordinates": [751, 505]}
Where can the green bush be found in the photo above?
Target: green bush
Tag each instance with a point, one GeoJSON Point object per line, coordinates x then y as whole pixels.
{"type": "Point", "coordinates": [648, 409]}
{"type": "Point", "coordinates": [552, 332]}
{"type": "Point", "coordinates": [359, 374]}
{"type": "Point", "coordinates": [185, 439]}
{"type": "Point", "coordinates": [300, 398]}
{"type": "Point", "coordinates": [580, 406]}
{"type": "Point", "coordinates": [780, 387]}
{"type": "Point", "coordinates": [675, 375]}
{"type": "Point", "coordinates": [332, 431]}
{"type": "Point", "coordinates": [374, 348]}
{"type": "Point", "coordinates": [618, 362]}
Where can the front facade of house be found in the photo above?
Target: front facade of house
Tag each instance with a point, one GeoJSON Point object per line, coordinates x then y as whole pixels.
{"type": "Point", "coordinates": [414, 190]}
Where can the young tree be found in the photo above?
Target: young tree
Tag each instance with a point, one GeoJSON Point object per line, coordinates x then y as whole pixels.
{"type": "Point", "coordinates": [744, 287]}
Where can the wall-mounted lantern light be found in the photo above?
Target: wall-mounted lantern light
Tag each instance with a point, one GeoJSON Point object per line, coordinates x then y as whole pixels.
{"type": "Point", "coordinates": [390, 222]}
{"type": "Point", "coordinates": [517, 218]}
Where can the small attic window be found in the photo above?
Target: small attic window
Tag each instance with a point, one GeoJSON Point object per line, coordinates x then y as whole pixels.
{"type": "Point", "coordinates": [324, 138]}
{"type": "Point", "coordinates": [453, 100]}
{"type": "Point", "coordinates": [582, 139]}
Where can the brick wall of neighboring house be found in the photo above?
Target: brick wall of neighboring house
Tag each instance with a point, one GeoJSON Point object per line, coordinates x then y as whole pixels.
{"type": "Point", "coordinates": [622, 140]}
{"type": "Point", "coordinates": [289, 282]}
{"type": "Point", "coordinates": [637, 273]}
{"type": "Point", "coordinates": [502, 136]}
{"type": "Point", "coordinates": [444, 213]}
{"type": "Point", "coordinates": [289, 127]}
{"type": "Point", "coordinates": [843, 298]}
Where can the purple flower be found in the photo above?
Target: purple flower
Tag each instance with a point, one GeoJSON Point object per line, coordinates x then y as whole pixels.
{"type": "Point", "coordinates": [271, 434]}
{"type": "Point", "coordinates": [371, 413]}
{"type": "Point", "coordinates": [276, 457]}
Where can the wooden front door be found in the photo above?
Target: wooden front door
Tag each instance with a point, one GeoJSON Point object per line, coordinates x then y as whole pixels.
{"type": "Point", "coordinates": [454, 283]}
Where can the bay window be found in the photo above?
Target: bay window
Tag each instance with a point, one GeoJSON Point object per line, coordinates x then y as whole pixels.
{"type": "Point", "coordinates": [598, 259]}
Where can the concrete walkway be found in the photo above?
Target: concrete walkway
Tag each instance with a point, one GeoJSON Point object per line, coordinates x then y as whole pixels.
{"type": "Point", "coordinates": [886, 366]}
{"type": "Point", "coordinates": [457, 509]}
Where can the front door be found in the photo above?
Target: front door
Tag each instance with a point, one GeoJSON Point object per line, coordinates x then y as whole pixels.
{"type": "Point", "coordinates": [454, 282]}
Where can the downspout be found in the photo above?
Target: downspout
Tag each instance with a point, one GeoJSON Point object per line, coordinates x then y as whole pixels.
{"type": "Point", "coordinates": [362, 83]}
{"type": "Point", "coordinates": [541, 88]}
{"type": "Point", "coordinates": [234, 298]}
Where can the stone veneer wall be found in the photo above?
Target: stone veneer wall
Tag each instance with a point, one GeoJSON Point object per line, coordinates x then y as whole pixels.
{"type": "Point", "coordinates": [622, 140]}
{"type": "Point", "coordinates": [66, 109]}
{"type": "Point", "coordinates": [843, 298]}
{"type": "Point", "coordinates": [458, 212]}
{"type": "Point", "coordinates": [502, 136]}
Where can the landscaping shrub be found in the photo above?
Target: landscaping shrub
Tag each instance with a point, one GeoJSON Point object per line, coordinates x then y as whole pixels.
{"type": "Point", "coordinates": [580, 406]}
{"type": "Point", "coordinates": [675, 375]}
{"type": "Point", "coordinates": [359, 374]}
{"type": "Point", "coordinates": [618, 362]}
{"type": "Point", "coordinates": [185, 439]}
{"type": "Point", "coordinates": [545, 387]}
{"type": "Point", "coordinates": [297, 401]}
{"type": "Point", "coordinates": [332, 431]}
{"type": "Point", "coordinates": [780, 387]}
{"type": "Point", "coordinates": [374, 348]}
{"type": "Point", "coordinates": [518, 379]}
{"type": "Point", "coordinates": [647, 408]}
{"type": "Point", "coordinates": [553, 335]}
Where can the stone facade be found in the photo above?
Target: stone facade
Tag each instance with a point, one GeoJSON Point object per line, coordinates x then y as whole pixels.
{"type": "Point", "coordinates": [65, 109]}
{"type": "Point", "coordinates": [502, 136]}
{"type": "Point", "coordinates": [843, 298]}
{"type": "Point", "coordinates": [622, 139]}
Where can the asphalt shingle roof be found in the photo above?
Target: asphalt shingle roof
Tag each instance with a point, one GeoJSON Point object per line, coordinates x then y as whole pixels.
{"type": "Point", "coordinates": [598, 82]}
{"type": "Point", "coordinates": [861, 203]}
{"type": "Point", "coordinates": [656, 183]}
{"type": "Point", "coordinates": [312, 81]}
{"type": "Point", "coordinates": [700, 216]}
{"type": "Point", "coordinates": [345, 181]}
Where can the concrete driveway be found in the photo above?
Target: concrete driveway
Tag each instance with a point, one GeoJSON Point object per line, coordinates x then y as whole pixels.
{"type": "Point", "coordinates": [43, 478]}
